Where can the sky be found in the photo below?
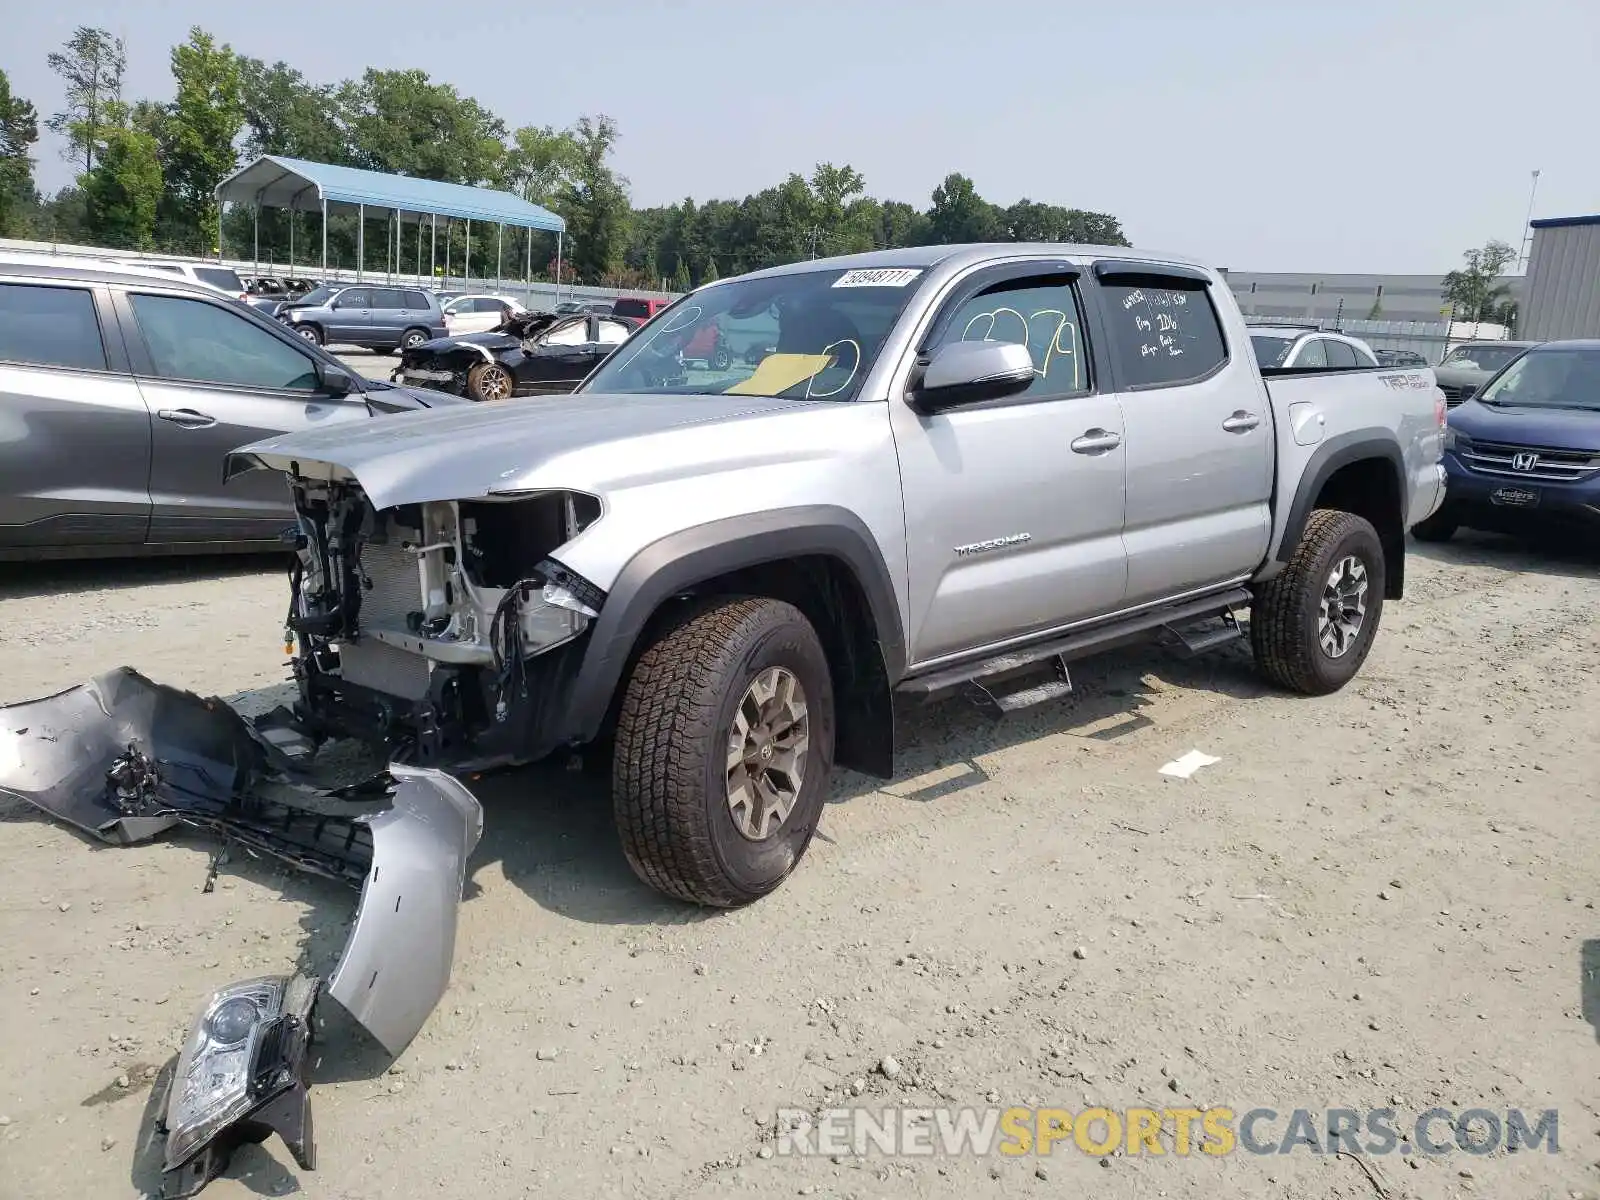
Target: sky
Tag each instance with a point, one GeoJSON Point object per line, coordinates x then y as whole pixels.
{"type": "Point", "coordinates": [1368, 135]}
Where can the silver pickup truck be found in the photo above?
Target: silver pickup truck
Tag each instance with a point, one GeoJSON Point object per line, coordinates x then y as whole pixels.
{"type": "Point", "coordinates": [924, 472]}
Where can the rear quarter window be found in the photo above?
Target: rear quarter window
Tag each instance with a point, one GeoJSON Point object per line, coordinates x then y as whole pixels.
{"type": "Point", "coordinates": [219, 277]}
{"type": "Point", "coordinates": [1164, 332]}
{"type": "Point", "coordinates": [50, 327]}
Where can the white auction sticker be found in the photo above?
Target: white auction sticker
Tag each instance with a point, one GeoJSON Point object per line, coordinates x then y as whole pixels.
{"type": "Point", "coordinates": [878, 277]}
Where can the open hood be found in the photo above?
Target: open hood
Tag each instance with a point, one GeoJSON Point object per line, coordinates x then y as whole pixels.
{"type": "Point", "coordinates": [466, 451]}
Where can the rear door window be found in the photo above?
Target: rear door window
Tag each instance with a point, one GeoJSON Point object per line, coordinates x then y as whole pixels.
{"type": "Point", "coordinates": [387, 298]}
{"type": "Point", "coordinates": [1164, 331]}
{"type": "Point", "coordinates": [613, 333]}
{"type": "Point", "coordinates": [1341, 355]}
{"type": "Point", "coordinates": [416, 300]}
{"type": "Point", "coordinates": [1311, 354]}
{"type": "Point", "coordinates": [50, 327]}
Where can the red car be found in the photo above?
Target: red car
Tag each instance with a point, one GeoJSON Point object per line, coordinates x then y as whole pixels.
{"type": "Point", "coordinates": [707, 345]}
{"type": "Point", "coordinates": [638, 307]}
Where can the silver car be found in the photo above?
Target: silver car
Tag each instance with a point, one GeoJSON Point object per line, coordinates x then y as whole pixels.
{"type": "Point", "coordinates": [121, 392]}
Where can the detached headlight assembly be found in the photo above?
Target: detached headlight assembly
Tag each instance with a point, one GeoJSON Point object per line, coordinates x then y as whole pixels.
{"type": "Point", "coordinates": [241, 1078]}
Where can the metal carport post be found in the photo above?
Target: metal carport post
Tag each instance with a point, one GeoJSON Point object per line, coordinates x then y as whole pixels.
{"type": "Point", "coordinates": [361, 241]}
{"type": "Point", "coordinates": [499, 246]}
{"type": "Point", "coordinates": [433, 247]}
{"type": "Point", "coordinates": [559, 234]}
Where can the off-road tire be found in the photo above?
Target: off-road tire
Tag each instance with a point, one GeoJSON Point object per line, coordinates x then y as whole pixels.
{"type": "Point", "coordinates": [669, 781]}
{"type": "Point", "coordinates": [1440, 527]}
{"type": "Point", "coordinates": [1285, 614]}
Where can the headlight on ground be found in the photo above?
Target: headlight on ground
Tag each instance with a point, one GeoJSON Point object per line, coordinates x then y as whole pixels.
{"type": "Point", "coordinates": [240, 1077]}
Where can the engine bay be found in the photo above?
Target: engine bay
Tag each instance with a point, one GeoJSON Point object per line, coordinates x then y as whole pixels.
{"type": "Point", "coordinates": [418, 627]}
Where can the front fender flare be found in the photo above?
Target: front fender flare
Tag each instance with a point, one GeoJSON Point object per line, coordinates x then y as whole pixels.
{"type": "Point", "coordinates": [674, 564]}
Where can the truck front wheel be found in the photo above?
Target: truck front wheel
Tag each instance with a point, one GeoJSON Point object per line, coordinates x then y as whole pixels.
{"type": "Point", "coordinates": [724, 745]}
{"type": "Point", "coordinates": [1312, 625]}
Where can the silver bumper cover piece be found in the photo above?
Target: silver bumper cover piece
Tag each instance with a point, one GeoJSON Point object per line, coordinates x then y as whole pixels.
{"type": "Point", "coordinates": [125, 759]}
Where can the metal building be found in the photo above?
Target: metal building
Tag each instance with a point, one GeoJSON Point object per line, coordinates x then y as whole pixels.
{"type": "Point", "coordinates": [1562, 296]}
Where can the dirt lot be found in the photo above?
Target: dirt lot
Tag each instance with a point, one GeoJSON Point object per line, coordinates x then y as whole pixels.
{"type": "Point", "coordinates": [1385, 898]}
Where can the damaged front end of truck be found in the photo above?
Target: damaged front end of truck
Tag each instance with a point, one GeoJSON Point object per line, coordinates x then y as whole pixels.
{"type": "Point", "coordinates": [124, 759]}
{"type": "Point", "coordinates": [444, 631]}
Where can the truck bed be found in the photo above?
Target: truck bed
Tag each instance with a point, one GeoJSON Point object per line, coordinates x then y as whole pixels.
{"type": "Point", "coordinates": [1318, 406]}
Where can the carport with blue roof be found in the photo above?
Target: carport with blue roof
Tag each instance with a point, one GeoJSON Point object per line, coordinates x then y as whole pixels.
{"type": "Point", "coordinates": [273, 181]}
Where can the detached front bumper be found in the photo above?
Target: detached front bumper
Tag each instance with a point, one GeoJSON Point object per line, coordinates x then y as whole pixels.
{"type": "Point", "coordinates": [124, 759]}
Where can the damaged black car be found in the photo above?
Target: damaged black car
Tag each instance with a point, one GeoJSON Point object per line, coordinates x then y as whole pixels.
{"type": "Point", "coordinates": [529, 354]}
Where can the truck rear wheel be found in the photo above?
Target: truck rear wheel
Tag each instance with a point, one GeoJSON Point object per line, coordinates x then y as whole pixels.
{"type": "Point", "coordinates": [1312, 625]}
{"type": "Point", "coordinates": [724, 745]}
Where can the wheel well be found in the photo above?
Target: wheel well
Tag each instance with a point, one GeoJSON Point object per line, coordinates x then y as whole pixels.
{"type": "Point", "coordinates": [827, 591]}
{"type": "Point", "coordinates": [1370, 488]}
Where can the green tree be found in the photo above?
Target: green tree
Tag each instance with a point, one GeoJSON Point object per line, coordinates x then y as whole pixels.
{"type": "Point", "coordinates": [122, 192]}
{"type": "Point", "coordinates": [959, 214]}
{"type": "Point", "coordinates": [285, 115]}
{"type": "Point", "coordinates": [404, 123]}
{"type": "Point", "coordinates": [595, 202]}
{"type": "Point", "coordinates": [91, 64]}
{"type": "Point", "coordinates": [680, 276]}
{"type": "Point", "coordinates": [1030, 221]}
{"type": "Point", "coordinates": [19, 130]}
{"type": "Point", "coordinates": [899, 224]}
{"type": "Point", "coordinates": [538, 162]}
{"type": "Point", "coordinates": [199, 131]}
{"type": "Point", "coordinates": [1474, 291]}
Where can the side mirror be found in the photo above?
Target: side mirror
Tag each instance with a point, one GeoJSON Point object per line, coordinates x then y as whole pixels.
{"type": "Point", "coordinates": [971, 372]}
{"type": "Point", "coordinates": [334, 380]}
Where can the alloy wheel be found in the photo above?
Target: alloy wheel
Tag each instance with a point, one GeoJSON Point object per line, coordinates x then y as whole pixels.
{"type": "Point", "coordinates": [1344, 607]}
{"type": "Point", "coordinates": [767, 749]}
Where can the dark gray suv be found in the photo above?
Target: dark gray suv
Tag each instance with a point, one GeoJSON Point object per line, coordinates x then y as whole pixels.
{"type": "Point", "coordinates": [378, 318]}
{"type": "Point", "coordinates": [121, 393]}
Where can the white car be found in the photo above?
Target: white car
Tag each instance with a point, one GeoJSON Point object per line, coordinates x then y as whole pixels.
{"type": "Point", "coordinates": [1284, 347]}
{"type": "Point", "coordinates": [478, 314]}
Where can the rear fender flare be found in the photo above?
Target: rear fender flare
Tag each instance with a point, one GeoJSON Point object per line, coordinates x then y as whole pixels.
{"type": "Point", "coordinates": [673, 566]}
{"type": "Point", "coordinates": [1333, 454]}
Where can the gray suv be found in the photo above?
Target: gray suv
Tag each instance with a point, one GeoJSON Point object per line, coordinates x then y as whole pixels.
{"type": "Point", "coordinates": [121, 393]}
{"type": "Point", "coordinates": [378, 318]}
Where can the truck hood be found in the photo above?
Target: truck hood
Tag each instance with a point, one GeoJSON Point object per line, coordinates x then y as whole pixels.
{"type": "Point", "coordinates": [471, 450]}
{"type": "Point", "coordinates": [1553, 428]}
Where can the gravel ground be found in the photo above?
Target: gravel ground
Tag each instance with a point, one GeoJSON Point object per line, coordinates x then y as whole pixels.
{"type": "Point", "coordinates": [1384, 898]}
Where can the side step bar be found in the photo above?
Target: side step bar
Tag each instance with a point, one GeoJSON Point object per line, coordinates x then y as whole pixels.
{"type": "Point", "coordinates": [982, 678]}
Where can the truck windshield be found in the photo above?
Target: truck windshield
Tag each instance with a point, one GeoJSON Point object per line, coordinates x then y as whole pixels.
{"type": "Point", "coordinates": [1557, 378]}
{"type": "Point", "coordinates": [809, 335]}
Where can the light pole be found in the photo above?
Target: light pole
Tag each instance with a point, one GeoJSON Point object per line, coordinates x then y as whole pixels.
{"type": "Point", "coordinates": [1527, 224]}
